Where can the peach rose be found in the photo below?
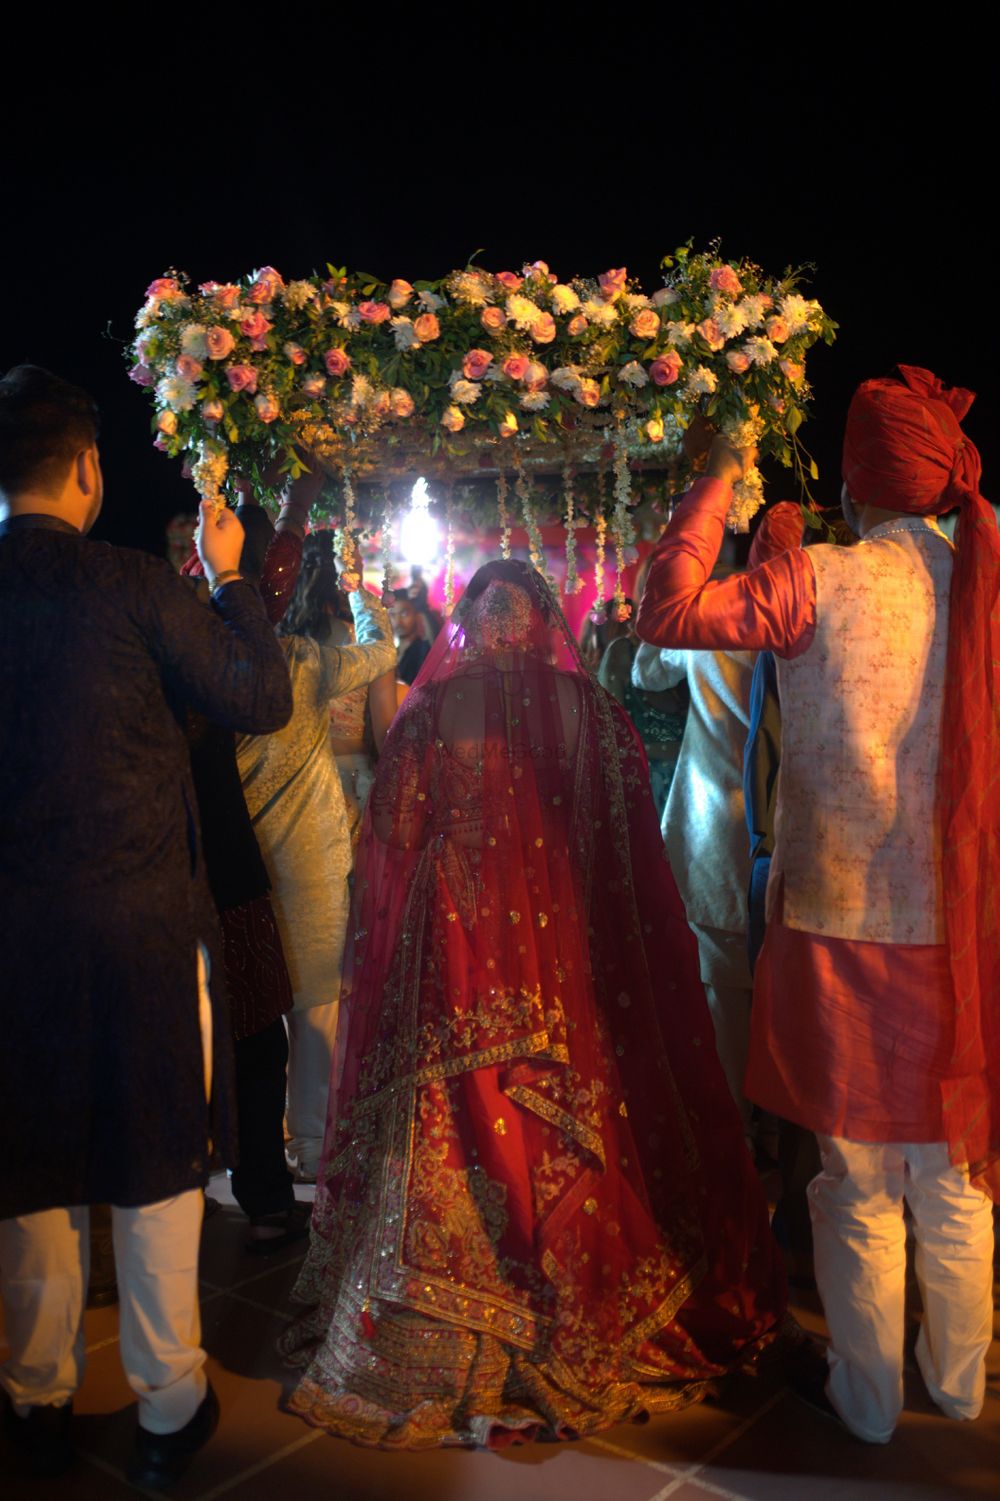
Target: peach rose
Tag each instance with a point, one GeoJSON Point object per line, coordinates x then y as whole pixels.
{"type": "Point", "coordinates": [645, 324]}
{"type": "Point", "coordinates": [588, 393]}
{"type": "Point", "coordinates": [493, 319]}
{"type": "Point", "coordinates": [724, 279]}
{"type": "Point", "coordinates": [654, 429]}
{"type": "Point", "coordinates": [167, 423]}
{"type": "Point", "coordinates": [791, 370]}
{"type": "Point", "coordinates": [373, 312]}
{"type": "Point", "coordinates": [577, 325]}
{"type": "Point", "coordinates": [737, 361]}
{"type": "Point", "coordinates": [382, 405]}
{"type": "Point", "coordinates": [314, 385]}
{"type": "Point", "coordinates": [543, 330]}
{"type": "Point", "coordinates": [256, 328]}
{"type": "Point", "coordinates": [165, 289]}
{"type": "Point", "coordinates": [267, 284]}
{"type": "Point", "coordinates": [219, 342]}
{"type": "Point", "coordinates": [295, 353]}
{"type": "Point", "coordinates": [535, 376]}
{"type": "Point", "coordinates": [400, 293]}
{"type": "Point", "coordinates": [514, 366]}
{"type": "Point", "coordinates": [666, 368]}
{"type": "Point", "coordinates": [777, 403]}
{"type": "Point", "coordinates": [511, 282]}
{"type": "Point", "coordinates": [402, 403]}
{"type": "Point", "coordinates": [476, 363]}
{"type": "Point", "coordinates": [337, 362]}
{"type": "Point", "coordinates": [508, 426]}
{"type": "Point", "coordinates": [426, 328]}
{"type": "Point", "coordinates": [212, 411]}
{"type": "Point", "coordinates": [189, 367]}
{"type": "Point", "coordinates": [711, 333]}
{"type": "Point", "coordinates": [777, 330]}
{"type": "Point", "coordinates": [267, 407]}
{"type": "Point", "coordinates": [227, 296]}
{"type": "Point", "coordinates": [453, 418]}
{"type": "Point", "coordinates": [242, 378]}
{"type": "Point", "coordinates": [612, 283]}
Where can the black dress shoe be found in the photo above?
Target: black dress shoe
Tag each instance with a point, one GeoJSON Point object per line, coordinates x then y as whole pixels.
{"type": "Point", "coordinates": [43, 1440]}
{"type": "Point", "coordinates": [161, 1458]}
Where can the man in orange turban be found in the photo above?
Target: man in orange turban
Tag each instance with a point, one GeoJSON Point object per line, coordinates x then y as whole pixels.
{"type": "Point", "coordinates": [876, 1017]}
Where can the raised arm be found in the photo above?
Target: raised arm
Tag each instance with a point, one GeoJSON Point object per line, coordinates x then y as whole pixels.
{"type": "Point", "coordinates": [347, 667]}
{"type": "Point", "coordinates": [772, 607]}
{"type": "Point", "coordinates": [225, 660]}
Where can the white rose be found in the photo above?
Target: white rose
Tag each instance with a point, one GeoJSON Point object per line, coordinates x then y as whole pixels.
{"type": "Point", "coordinates": [566, 378]}
{"type": "Point", "coordinates": [665, 297]}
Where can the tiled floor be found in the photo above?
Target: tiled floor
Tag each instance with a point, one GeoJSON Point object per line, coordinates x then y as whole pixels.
{"type": "Point", "coordinates": [757, 1443]}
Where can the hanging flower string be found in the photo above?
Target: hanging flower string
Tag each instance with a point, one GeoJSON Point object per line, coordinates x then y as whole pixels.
{"type": "Point", "coordinates": [449, 557]}
{"type": "Point", "coordinates": [503, 513]}
{"type": "Point", "coordinates": [600, 541]}
{"type": "Point", "coordinates": [523, 487]}
{"type": "Point", "coordinates": [573, 580]}
{"type": "Point", "coordinates": [343, 542]}
{"type": "Point", "coordinates": [622, 529]}
{"type": "Point", "coordinates": [385, 546]}
{"type": "Point", "coordinates": [748, 492]}
{"type": "Point", "coordinates": [209, 471]}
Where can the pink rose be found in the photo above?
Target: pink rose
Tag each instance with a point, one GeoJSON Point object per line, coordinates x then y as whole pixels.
{"type": "Point", "coordinates": [791, 370]}
{"type": "Point", "coordinates": [476, 363]}
{"type": "Point", "coordinates": [666, 368]}
{"type": "Point", "coordinates": [645, 324]}
{"type": "Point", "coordinates": [212, 411]}
{"type": "Point", "coordinates": [711, 333]}
{"type": "Point", "coordinates": [543, 330]}
{"type": "Point", "coordinates": [400, 293]}
{"type": "Point", "coordinates": [337, 362]}
{"type": "Point", "coordinates": [189, 367]}
{"type": "Point", "coordinates": [453, 418]}
{"type": "Point", "coordinates": [588, 393]}
{"type": "Point", "coordinates": [510, 281]}
{"type": "Point", "coordinates": [724, 279]}
{"type": "Point", "coordinates": [314, 385]}
{"type": "Point", "coordinates": [160, 442]}
{"type": "Point", "coordinates": [777, 330]}
{"type": "Point", "coordinates": [577, 325]}
{"type": "Point", "coordinates": [514, 366]}
{"type": "Point", "coordinates": [295, 353]}
{"type": "Point", "coordinates": [373, 312]}
{"type": "Point", "coordinates": [167, 423]}
{"type": "Point", "coordinates": [539, 269]}
{"type": "Point", "coordinates": [402, 403]}
{"type": "Point", "coordinates": [142, 375]}
{"type": "Point", "coordinates": [493, 319]}
{"type": "Point", "coordinates": [256, 328]}
{"type": "Point", "coordinates": [535, 376]}
{"type": "Point", "coordinates": [242, 378]}
{"type": "Point", "coordinates": [778, 404]}
{"type": "Point", "coordinates": [737, 361]}
{"type": "Point", "coordinates": [165, 288]}
{"type": "Point", "coordinates": [612, 283]}
{"type": "Point", "coordinates": [219, 342]}
{"type": "Point", "coordinates": [267, 284]}
{"type": "Point", "coordinates": [426, 328]}
{"type": "Point", "coordinates": [267, 407]}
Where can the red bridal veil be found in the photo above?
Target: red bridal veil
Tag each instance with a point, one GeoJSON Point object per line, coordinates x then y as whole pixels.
{"type": "Point", "coordinates": [536, 1210]}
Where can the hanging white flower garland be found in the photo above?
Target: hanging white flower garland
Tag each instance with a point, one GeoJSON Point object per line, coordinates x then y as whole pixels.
{"type": "Point", "coordinates": [503, 513]}
{"type": "Point", "coordinates": [344, 547]}
{"type": "Point", "coordinates": [449, 556]}
{"type": "Point", "coordinates": [573, 580]}
{"type": "Point", "coordinates": [385, 546]}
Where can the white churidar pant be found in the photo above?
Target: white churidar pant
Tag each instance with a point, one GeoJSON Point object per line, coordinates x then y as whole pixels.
{"type": "Point", "coordinates": [859, 1236]}
{"type": "Point", "coordinates": [312, 1034]}
{"type": "Point", "coordinates": [44, 1269]}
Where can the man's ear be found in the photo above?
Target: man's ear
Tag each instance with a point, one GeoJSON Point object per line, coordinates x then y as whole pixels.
{"type": "Point", "coordinates": [87, 471]}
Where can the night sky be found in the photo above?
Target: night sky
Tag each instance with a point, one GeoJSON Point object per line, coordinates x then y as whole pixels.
{"type": "Point", "coordinates": [384, 153]}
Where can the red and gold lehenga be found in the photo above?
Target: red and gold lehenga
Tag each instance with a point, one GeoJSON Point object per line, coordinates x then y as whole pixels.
{"type": "Point", "coordinates": [536, 1216]}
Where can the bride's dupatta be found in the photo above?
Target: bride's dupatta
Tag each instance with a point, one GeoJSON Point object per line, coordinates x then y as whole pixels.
{"type": "Point", "coordinates": [536, 1211]}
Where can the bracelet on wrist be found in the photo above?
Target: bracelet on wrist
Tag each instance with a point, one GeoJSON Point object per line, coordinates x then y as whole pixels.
{"type": "Point", "coordinates": [221, 579]}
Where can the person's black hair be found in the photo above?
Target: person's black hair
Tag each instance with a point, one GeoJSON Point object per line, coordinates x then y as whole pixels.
{"type": "Point", "coordinates": [318, 599]}
{"type": "Point", "coordinates": [511, 571]}
{"type": "Point", "coordinates": [44, 423]}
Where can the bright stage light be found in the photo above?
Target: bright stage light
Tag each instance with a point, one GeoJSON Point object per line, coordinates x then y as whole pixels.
{"type": "Point", "coordinates": [420, 535]}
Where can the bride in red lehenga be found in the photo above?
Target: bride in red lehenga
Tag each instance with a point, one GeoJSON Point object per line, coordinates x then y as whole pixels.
{"type": "Point", "coordinates": [536, 1216]}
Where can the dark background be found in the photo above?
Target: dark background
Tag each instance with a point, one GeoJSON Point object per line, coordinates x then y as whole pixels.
{"type": "Point", "coordinates": [402, 149]}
